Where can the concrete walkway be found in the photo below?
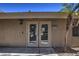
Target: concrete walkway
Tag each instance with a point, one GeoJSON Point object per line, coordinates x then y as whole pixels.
{"type": "Point", "coordinates": [26, 51]}
{"type": "Point", "coordinates": [33, 52]}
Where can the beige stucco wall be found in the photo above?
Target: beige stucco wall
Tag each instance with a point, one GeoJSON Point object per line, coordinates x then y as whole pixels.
{"type": "Point", "coordinates": [75, 41]}
{"type": "Point", "coordinates": [58, 32]}
{"type": "Point", "coordinates": [12, 33]}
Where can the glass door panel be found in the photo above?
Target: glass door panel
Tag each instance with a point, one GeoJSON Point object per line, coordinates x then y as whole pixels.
{"type": "Point", "coordinates": [33, 34]}
{"type": "Point", "coordinates": [44, 32]}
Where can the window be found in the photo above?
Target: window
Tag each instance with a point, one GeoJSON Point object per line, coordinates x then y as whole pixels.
{"type": "Point", "coordinates": [75, 29]}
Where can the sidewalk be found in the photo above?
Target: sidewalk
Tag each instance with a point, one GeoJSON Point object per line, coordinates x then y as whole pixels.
{"type": "Point", "coordinates": [34, 52]}
{"type": "Point", "coordinates": [26, 51]}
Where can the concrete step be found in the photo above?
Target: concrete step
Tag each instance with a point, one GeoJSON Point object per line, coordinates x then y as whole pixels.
{"type": "Point", "coordinates": [27, 50]}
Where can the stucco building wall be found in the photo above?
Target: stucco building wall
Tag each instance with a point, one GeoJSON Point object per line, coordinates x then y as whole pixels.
{"type": "Point", "coordinates": [12, 33]}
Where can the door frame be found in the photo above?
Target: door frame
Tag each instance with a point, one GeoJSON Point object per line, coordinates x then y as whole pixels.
{"type": "Point", "coordinates": [38, 40]}
{"type": "Point", "coordinates": [28, 24]}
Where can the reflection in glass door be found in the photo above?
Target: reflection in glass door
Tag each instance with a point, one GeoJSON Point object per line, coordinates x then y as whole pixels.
{"type": "Point", "coordinates": [33, 35]}
{"type": "Point", "coordinates": [44, 37]}
{"type": "Point", "coordinates": [32, 32]}
{"type": "Point", "coordinates": [44, 32]}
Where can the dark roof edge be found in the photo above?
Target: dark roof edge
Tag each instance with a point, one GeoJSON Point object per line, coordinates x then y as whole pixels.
{"type": "Point", "coordinates": [34, 12]}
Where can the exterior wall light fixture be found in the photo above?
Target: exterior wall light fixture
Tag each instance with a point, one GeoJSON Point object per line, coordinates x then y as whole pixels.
{"type": "Point", "coordinates": [21, 21]}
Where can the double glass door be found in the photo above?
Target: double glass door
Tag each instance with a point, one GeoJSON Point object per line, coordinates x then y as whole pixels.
{"type": "Point", "coordinates": [38, 34]}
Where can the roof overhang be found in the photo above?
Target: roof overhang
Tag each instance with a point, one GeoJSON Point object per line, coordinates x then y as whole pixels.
{"type": "Point", "coordinates": [25, 15]}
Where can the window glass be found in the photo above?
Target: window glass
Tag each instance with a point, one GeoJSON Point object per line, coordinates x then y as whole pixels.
{"type": "Point", "coordinates": [44, 31]}
{"type": "Point", "coordinates": [75, 31]}
{"type": "Point", "coordinates": [32, 32]}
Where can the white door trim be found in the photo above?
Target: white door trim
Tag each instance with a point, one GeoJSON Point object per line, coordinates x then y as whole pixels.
{"type": "Point", "coordinates": [31, 44]}
{"type": "Point", "coordinates": [45, 43]}
{"type": "Point", "coordinates": [38, 40]}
